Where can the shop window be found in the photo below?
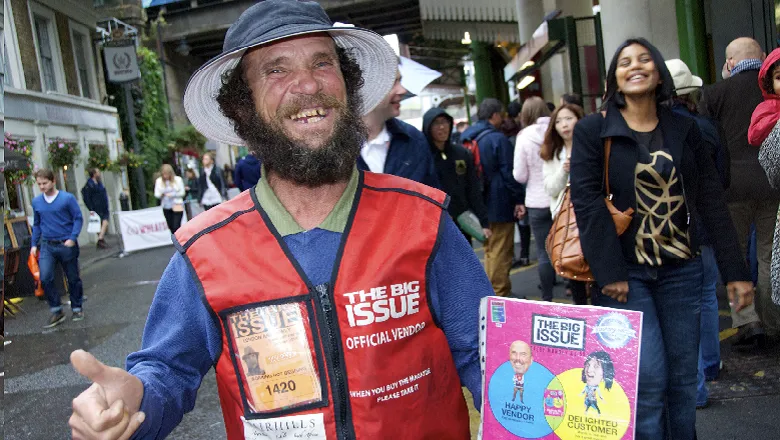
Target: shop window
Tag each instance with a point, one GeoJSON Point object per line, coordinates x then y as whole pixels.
{"type": "Point", "coordinates": [7, 72]}
{"type": "Point", "coordinates": [47, 48]}
{"type": "Point", "coordinates": [11, 64]}
{"type": "Point", "coordinates": [69, 178]}
{"type": "Point", "coordinates": [13, 195]}
{"type": "Point", "coordinates": [3, 64]}
{"type": "Point", "coordinates": [85, 65]}
{"type": "Point", "coordinates": [777, 19]}
{"type": "Point", "coordinates": [81, 65]}
{"type": "Point", "coordinates": [46, 54]}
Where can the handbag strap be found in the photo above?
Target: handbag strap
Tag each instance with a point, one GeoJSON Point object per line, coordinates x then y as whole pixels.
{"type": "Point", "coordinates": [607, 151]}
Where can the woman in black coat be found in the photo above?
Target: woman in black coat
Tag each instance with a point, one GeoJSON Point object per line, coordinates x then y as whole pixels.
{"type": "Point", "coordinates": [211, 184]}
{"type": "Point", "coordinates": [660, 167]}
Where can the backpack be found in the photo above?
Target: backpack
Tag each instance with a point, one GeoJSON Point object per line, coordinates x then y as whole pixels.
{"type": "Point", "coordinates": [472, 147]}
{"type": "Point", "coordinates": [85, 196]}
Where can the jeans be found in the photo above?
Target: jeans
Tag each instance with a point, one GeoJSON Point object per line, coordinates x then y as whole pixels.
{"type": "Point", "coordinates": [709, 344]}
{"type": "Point", "coordinates": [670, 299]}
{"type": "Point", "coordinates": [68, 258]}
{"type": "Point", "coordinates": [541, 222]}
{"type": "Point", "coordinates": [173, 219]}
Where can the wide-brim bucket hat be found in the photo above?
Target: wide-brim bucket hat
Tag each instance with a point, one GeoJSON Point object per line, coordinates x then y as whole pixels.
{"type": "Point", "coordinates": [685, 82]}
{"type": "Point", "coordinates": [272, 20]}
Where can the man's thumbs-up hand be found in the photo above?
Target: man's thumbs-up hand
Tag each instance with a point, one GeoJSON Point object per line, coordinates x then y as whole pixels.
{"type": "Point", "coordinates": [109, 408]}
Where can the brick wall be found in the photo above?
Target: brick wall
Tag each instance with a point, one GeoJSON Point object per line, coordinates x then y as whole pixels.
{"type": "Point", "coordinates": [27, 53]}
{"type": "Point", "coordinates": [129, 11]}
{"type": "Point", "coordinates": [66, 48]}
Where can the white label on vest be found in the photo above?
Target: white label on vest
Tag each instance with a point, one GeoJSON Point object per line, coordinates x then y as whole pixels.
{"type": "Point", "coordinates": [307, 427]}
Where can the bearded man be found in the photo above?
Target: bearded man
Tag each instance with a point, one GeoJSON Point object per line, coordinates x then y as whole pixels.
{"type": "Point", "coordinates": [355, 290]}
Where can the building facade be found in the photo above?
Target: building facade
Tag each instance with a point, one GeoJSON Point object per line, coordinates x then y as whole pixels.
{"type": "Point", "coordinates": [54, 92]}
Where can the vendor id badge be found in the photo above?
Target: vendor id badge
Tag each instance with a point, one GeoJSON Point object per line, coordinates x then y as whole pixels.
{"type": "Point", "coordinates": [274, 356]}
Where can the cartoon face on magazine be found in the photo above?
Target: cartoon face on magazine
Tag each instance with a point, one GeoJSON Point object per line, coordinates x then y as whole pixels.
{"type": "Point", "coordinates": [598, 369]}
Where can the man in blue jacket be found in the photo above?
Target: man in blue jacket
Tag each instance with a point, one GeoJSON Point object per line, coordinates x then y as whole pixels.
{"type": "Point", "coordinates": [56, 226]}
{"type": "Point", "coordinates": [96, 198]}
{"type": "Point", "coordinates": [503, 195]}
{"type": "Point", "coordinates": [247, 172]}
{"type": "Point", "coordinates": [395, 147]}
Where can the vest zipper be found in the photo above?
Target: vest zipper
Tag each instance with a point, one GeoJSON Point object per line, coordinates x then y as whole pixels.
{"type": "Point", "coordinates": [335, 358]}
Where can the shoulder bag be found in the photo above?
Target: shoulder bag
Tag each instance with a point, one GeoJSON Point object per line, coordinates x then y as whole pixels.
{"type": "Point", "coordinates": [563, 242]}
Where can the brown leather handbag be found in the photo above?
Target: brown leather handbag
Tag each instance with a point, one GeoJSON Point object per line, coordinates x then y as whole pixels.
{"type": "Point", "coordinates": [563, 242]}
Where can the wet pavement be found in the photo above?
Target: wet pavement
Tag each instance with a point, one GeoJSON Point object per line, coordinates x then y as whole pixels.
{"type": "Point", "coordinates": [39, 383]}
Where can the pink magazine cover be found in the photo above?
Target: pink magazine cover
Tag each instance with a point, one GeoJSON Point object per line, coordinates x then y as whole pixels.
{"type": "Point", "coordinates": [558, 371]}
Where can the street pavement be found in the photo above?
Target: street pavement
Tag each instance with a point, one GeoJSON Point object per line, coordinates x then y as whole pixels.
{"type": "Point", "coordinates": [40, 383]}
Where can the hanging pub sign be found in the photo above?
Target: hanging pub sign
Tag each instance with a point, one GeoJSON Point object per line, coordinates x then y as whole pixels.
{"type": "Point", "coordinates": [121, 61]}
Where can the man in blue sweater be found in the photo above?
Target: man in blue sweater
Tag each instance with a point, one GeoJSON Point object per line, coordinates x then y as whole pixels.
{"type": "Point", "coordinates": [56, 226]}
{"type": "Point", "coordinates": [297, 102]}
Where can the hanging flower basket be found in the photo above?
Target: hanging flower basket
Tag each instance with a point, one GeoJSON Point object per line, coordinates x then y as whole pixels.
{"type": "Point", "coordinates": [62, 153]}
{"type": "Point", "coordinates": [23, 174]}
{"type": "Point", "coordinates": [129, 159]}
{"type": "Point", "coordinates": [100, 159]}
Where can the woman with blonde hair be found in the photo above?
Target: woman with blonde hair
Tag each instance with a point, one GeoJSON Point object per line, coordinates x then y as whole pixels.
{"type": "Point", "coordinates": [169, 188]}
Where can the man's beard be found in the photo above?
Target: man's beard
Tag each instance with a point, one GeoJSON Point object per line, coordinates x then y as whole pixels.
{"type": "Point", "coordinates": [297, 162]}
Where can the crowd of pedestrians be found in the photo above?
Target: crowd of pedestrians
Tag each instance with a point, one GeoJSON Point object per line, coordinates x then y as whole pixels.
{"type": "Point", "coordinates": [335, 180]}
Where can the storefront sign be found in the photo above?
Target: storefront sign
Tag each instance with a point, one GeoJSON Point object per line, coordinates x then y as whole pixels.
{"type": "Point", "coordinates": [60, 110]}
{"type": "Point", "coordinates": [144, 229]}
{"type": "Point", "coordinates": [121, 63]}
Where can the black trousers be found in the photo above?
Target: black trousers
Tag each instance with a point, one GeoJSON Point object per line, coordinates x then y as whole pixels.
{"type": "Point", "coordinates": [525, 239]}
{"type": "Point", "coordinates": [579, 292]}
{"type": "Point", "coordinates": [173, 219]}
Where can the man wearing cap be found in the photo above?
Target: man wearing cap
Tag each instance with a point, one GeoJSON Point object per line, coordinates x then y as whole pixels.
{"type": "Point", "coordinates": [685, 83]}
{"type": "Point", "coordinates": [396, 147]}
{"type": "Point", "coordinates": [363, 303]}
{"type": "Point", "coordinates": [750, 198]}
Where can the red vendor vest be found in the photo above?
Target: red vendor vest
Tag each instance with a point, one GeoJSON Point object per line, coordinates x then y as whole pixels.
{"type": "Point", "coordinates": [361, 357]}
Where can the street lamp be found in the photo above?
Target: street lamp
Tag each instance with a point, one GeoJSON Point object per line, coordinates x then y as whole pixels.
{"type": "Point", "coordinates": [183, 48]}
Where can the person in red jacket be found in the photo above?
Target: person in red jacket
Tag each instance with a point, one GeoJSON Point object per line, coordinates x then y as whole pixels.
{"type": "Point", "coordinates": [767, 113]}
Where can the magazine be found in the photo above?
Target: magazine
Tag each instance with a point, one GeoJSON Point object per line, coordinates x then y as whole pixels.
{"type": "Point", "coordinates": [557, 371]}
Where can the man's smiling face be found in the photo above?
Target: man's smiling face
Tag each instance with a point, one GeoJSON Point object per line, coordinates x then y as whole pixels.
{"type": "Point", "coordinates": [295, 103]}
{"type": "Point", "coordinates": [297, 87]}
{"type": "Point", "coordinates": [520, 357]}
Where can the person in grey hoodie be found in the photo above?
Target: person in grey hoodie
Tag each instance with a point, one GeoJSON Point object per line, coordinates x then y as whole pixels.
{"type": "Point", "coordinates": [528, 170]}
